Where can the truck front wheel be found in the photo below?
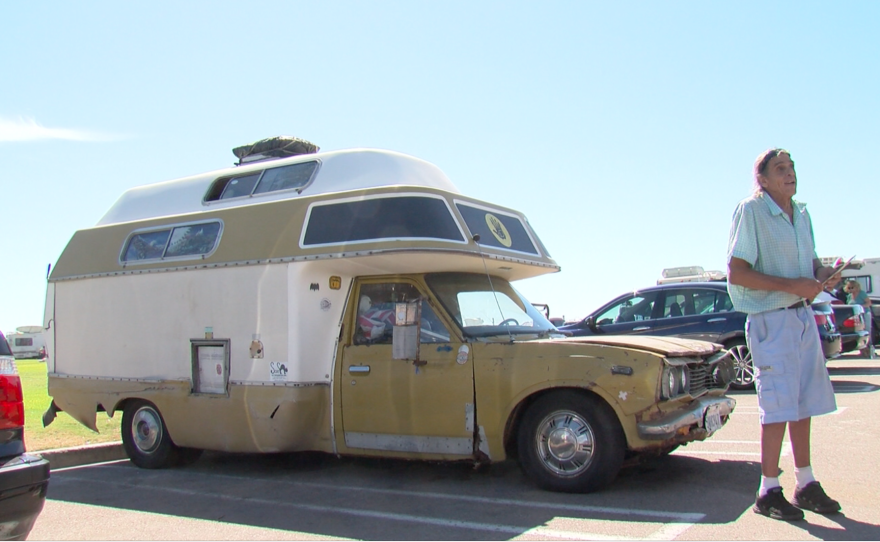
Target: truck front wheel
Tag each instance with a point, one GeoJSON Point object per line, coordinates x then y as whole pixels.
{"type": "Point", "coordinates": [571, 442]}
{"type": "Point", "coordinates": [145, 437]}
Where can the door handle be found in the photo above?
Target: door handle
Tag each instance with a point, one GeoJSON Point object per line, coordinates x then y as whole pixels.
{"type": "Point", "coordinates": [642, 328]}
{"type": "Point", "coordinates": [359, 369]}
{"type": "Point", "coordinates": [713, 320]}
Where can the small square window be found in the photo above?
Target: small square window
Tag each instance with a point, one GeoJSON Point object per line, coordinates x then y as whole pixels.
{"type": "Point", "coordinates": [240, 186]}
{"type": "Point", "coordinates": [195, 239]}
{"type": "Point", "coordinates": [146, 246]}
{"type": "Point", "coordinates": [287, 177]}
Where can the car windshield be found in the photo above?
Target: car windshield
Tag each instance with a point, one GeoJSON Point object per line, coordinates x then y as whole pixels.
{"type": "Point", "coordinates": [485, 309]}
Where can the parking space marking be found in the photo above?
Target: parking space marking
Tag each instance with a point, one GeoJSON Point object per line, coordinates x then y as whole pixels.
{"type": "Point", "coordinates": [705, 452]}
{"type": "Point", "coordinates": [89, 465]}
{"type": "Point", "coordinates": [753, 410]}
{"type": "Point", "coordinates": [682, 516]}
{"type": "Point", "coordinates": [681, 521]}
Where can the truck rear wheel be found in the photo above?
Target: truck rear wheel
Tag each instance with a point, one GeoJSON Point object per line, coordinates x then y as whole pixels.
{"type": "Point", "coordinates": [145, 437]}
{"type": "Point", "coordinates": [571, 442]}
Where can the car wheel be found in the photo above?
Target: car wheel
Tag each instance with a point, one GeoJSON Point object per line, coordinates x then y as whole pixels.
{"type": "Point", "coordinates": [571, 442]}
{"type": "Point", "coordinates": [145, 437]}
{"type": "Point", "coordinates": [744, 369]}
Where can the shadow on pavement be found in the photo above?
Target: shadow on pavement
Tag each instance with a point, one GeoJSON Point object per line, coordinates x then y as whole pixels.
{"type": "Point", "coordinates": [849, 529]}
{"type": "Point", "coordinates": [387, 499]}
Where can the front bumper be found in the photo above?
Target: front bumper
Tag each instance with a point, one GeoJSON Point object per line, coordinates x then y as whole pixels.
{"type": "Point", "coordinates": [692, 417]}
{"type": "Point", "coordinates": [24, 480]}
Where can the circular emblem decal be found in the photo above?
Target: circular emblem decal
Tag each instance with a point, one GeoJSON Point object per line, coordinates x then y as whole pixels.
{"type": "Point", "coordinates": [498, 230]}
{"type": "Point", "coordinates": [325, 304]}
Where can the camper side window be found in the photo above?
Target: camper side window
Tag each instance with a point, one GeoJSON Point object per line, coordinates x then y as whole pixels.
{"type": "Point", "coordinates": [176, 242]}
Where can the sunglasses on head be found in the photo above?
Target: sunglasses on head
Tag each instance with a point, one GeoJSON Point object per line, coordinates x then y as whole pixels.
{"type": "Point", "coordinates": [762, 165]}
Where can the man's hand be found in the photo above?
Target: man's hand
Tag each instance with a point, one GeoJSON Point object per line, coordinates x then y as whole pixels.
{"type": "Point", "coordinates": [806, 288]}
{"type": "Point", "coordinates": [823, 274]}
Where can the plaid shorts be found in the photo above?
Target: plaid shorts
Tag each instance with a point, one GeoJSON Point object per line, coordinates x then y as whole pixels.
{"type": "Point", "coordinates": [790, 375]}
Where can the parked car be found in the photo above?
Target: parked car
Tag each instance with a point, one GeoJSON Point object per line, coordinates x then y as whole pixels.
{"type": "Point", "coordinates": [692, 310]}
{"type": "Point", "coordinates": [24, 477]}
{"type": "Point", "coordinates": [852, 322]}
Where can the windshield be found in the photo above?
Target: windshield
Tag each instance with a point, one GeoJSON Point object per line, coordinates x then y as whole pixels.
{"type": "Point", "coordinates": [483, 309]}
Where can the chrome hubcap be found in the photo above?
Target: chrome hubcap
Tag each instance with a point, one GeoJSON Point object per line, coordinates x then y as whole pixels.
{"type": "Point", "coordinates": [146, 428]}
{"type": "Point", "coordinates": [565, 443]}
{"type": "Point", "coordinates": [742, 364]}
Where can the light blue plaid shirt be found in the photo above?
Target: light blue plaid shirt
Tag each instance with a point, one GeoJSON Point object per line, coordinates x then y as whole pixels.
{"type": "Point", "coordinates": [762, 234]}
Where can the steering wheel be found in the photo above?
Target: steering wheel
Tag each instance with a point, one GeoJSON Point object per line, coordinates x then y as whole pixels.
{"type": "Point", "coordinates": [508, 322]}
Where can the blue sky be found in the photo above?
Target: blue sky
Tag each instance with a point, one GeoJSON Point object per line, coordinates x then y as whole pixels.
{"type": "Point", "coordinates": [625, 131]}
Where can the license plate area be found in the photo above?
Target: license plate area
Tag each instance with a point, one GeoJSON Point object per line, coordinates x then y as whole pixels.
{"type": "Point", "coordinates": [712, 420]}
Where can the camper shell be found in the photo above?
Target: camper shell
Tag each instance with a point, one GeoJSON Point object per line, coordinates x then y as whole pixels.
{"type": "Point", "coordinates": [352, 302]}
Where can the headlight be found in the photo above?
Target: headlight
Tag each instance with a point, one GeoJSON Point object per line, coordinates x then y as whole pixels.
{"type": "Point", "coordinates": [674, 381]}
{"type": "Point", "coordinates": [669, 382]}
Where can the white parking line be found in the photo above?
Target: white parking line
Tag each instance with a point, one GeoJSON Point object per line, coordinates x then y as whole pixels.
{"type": "Point", "coordinates": [754, 411]}
{"type": "Point", "coordinates": [665, 532]}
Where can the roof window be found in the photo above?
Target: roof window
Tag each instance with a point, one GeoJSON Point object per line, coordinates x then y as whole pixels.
{"type": "Point", "coordinates": [291, 177]}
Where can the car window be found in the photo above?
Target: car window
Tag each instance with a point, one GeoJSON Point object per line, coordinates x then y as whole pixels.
{"type": "Point", "coordinates": [674, 305]}
{"type": "Point", "coordinates": [723, 303]}
{"type": "Point", "coordinates": [704, 301]}
{"type": "Point", "coordinates": [631, 309]}
{"type": "Point", "coordinates": [711, 301]}
{"type": "Point", "coordinates": [376, 318]}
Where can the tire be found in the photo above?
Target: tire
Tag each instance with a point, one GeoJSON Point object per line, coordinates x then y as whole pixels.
{"type": "Point", "coordinates": [744, 369]}
{"type": "Point", "coordinates": [571, 442]}
{"type": "Point", "coordinates": [145, 437]}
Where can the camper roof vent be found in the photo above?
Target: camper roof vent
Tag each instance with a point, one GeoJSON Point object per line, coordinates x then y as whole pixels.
{"type": "Point", "coordinates": [273, 147]}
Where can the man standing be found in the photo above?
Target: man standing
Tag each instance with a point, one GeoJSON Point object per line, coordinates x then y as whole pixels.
{"type": "Point", "coordinates": [773, 274]}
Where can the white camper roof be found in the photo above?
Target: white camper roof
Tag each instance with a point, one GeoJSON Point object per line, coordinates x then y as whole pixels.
{"type": "Point", "coordinates": [350, 169]}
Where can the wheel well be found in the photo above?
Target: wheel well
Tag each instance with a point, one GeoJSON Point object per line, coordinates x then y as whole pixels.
{"type": "Point", "coordinates": [727, 339]}
{"type": "Point", "coordinates": [511, 430]}
{"type": "Point", "coordinates": [120, 406]}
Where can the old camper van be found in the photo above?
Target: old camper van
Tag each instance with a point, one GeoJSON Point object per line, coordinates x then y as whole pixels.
{"type": "Point", "coordinates": [26, 342]}
{"type": "Point", "coordinates": [353, 302]}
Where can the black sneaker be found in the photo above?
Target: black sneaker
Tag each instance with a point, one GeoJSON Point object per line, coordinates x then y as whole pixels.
{"type": "Point", "coordinates": [774, 505]}
{"type": "Point", "coordinates": [813, 498]}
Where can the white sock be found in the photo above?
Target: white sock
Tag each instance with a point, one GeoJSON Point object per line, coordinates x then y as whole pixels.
{"type": "Point", "coordinates": [804, 476]}
{"type": "Point", "coordinates": [767, 484]}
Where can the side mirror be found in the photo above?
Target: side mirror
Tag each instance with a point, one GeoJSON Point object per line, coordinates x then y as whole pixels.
{"type": "Point", "coordinates": [590, 321]}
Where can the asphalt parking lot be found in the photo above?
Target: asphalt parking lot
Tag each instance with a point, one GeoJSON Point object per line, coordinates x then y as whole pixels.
{"type": "Point", "coordinates": [701, 492]}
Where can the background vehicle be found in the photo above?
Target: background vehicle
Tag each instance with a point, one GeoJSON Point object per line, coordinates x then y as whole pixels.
{"type": "Point", "coordinates": [27, 342]}
{"type": "Point", "coordinates": [852, 322]}
{"type": "Point", "coordinates": [867, 272]}
{"type": "Point", "coordinates": [693, 310]}
{"type": "Point", "coordinates": [24, 477]}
